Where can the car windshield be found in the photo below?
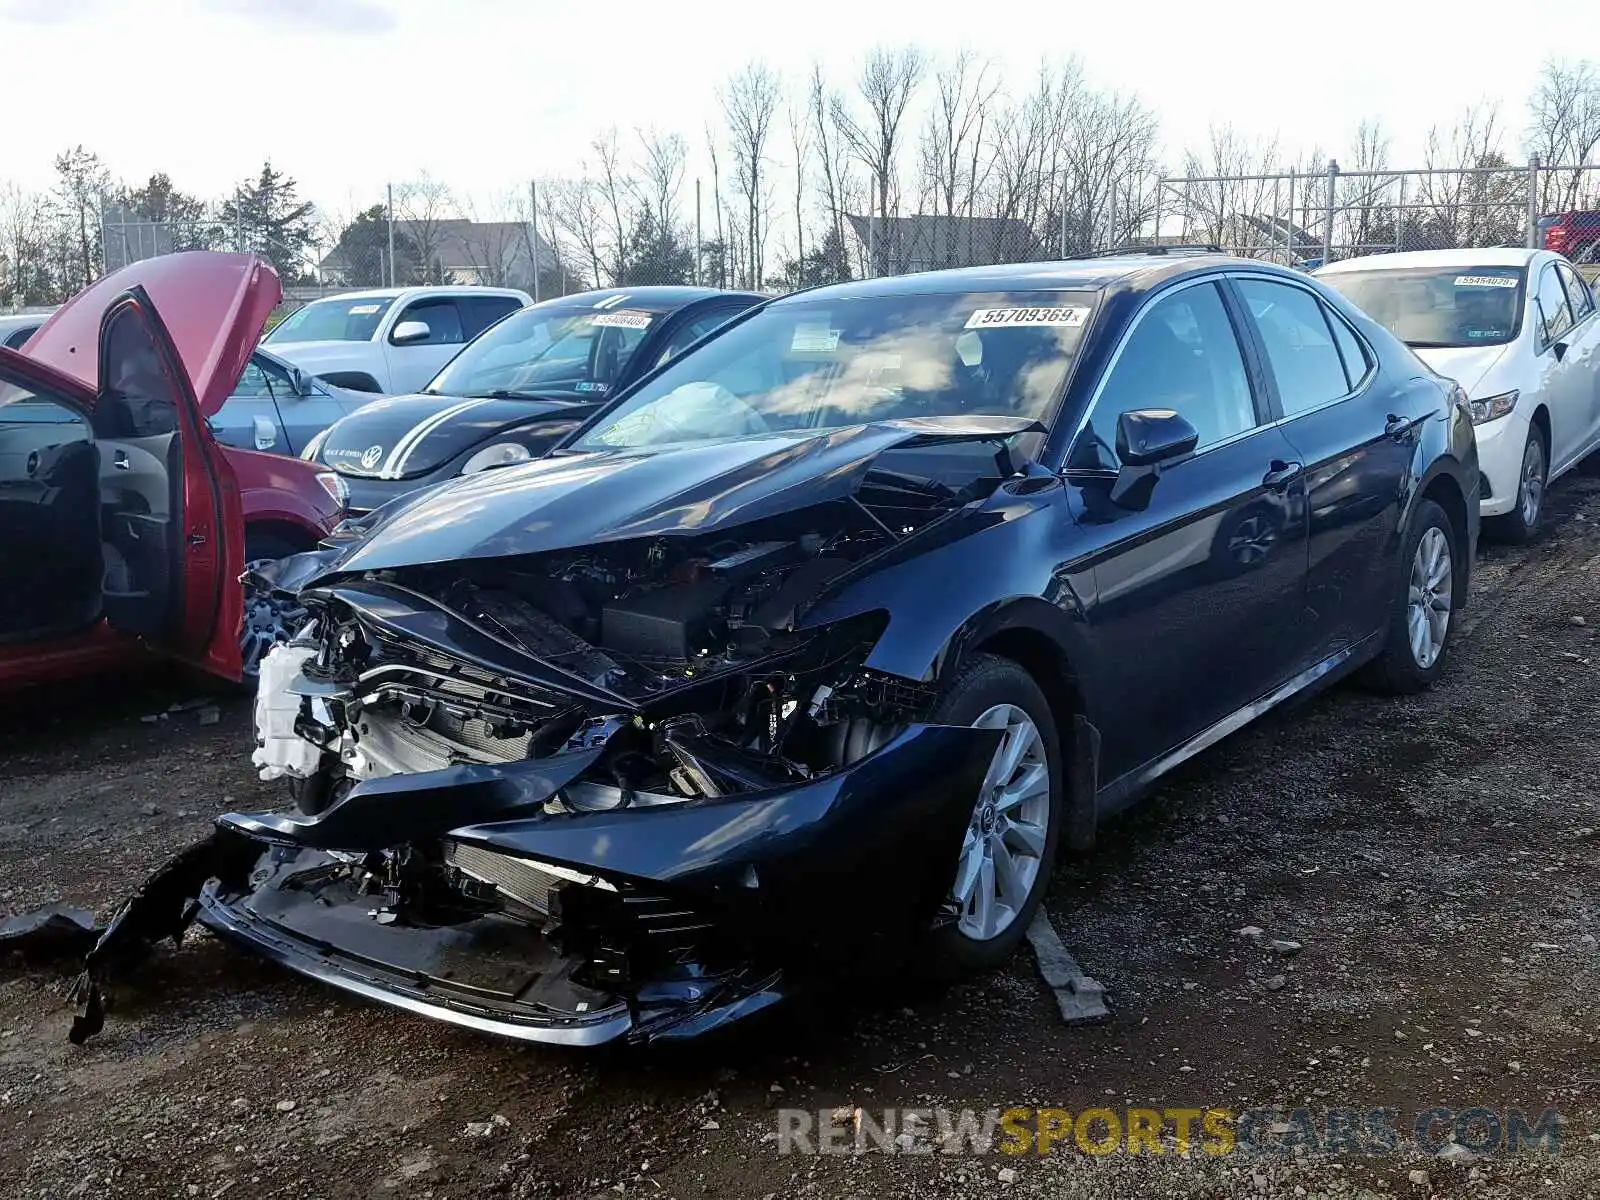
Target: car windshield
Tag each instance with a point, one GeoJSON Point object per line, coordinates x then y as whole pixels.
{"type": "Point", "coordinates": [1436, 307]}
{"type": "Point", "coordinates": [560, 350]}
{"type": "Point", "coordinates": [352, 319]}
{"type": "Point", "coordinates": [822, 364]}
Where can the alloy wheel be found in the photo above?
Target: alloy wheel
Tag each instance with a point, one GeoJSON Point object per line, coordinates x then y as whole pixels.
{"type": "Point", "coordinates": [1532, 498]}
{"type": "Point", "coordinates": [1004, 846]}
{"type": "Point", "coordinates": [268, 622]}
{"type": "Point", "coordinates": [1428, 597]}
{"type": "Point", "coordinates": [1252, 541]}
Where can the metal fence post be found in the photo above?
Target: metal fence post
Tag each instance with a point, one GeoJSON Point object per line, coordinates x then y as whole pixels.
{"type": "Point", "coordinates": [1332, 200]}
{"type": "Point", "coordinates": [699, 241]}
{"type": "Point", "coordinates": [389, 219]}
{"type": "Point", "coordinates": [1533, 201]}
{"type": "Point", "coordinates": [533, 222]}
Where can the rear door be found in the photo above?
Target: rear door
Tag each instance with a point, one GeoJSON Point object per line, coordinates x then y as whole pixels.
{"type": "Point", "coordinates": [1566, 393]}
{"type": "Point", "coordinates": [172, 521]}
{"type": "Point", "coordinates": [1356, 433]}
{"type": "Point", "coordinates": [1583, 352]}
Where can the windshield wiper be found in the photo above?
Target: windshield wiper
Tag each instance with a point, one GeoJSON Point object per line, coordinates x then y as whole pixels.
{"type": "Point", "coordinates": [512, 394]}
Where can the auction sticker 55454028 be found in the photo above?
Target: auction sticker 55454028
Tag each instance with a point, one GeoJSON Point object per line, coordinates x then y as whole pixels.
{"type": "Point", "coordinates": [1056, 318]}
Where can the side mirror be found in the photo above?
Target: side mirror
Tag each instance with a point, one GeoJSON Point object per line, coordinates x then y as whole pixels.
{"type": "Point", "coordinates": [300, 381]}
{"type": "Point", "coordinates": [1146, 438]}
{"type": "Point", "coordinates": [410, 331]}
{"type": "Point", "coordinates": [1149, 436]}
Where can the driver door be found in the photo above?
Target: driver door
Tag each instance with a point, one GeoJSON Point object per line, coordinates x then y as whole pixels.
{"type": "Point", "coordinates": [171, 517]}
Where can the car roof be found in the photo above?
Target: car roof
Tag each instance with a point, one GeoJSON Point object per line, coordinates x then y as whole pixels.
{"type": "Point", "coordinates": [659, 298]}
{"type": "Point", "coordinates": [391, 293]}
{"type": "Point", "coordinates": [1112, 272]}
{"type": "Point", "coordinates": [19, 320]}
{"type": "Point", "coordinates": [1495, 256]}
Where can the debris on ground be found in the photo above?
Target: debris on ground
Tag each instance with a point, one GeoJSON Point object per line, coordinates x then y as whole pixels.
{"type": "Point", "coordinates": [1080, 998]}
{"type": "Point", "coordinates": [55, 932]}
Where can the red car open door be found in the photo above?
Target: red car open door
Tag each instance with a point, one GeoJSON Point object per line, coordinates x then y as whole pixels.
{"type": "Point", "coordinates": [146, 503]}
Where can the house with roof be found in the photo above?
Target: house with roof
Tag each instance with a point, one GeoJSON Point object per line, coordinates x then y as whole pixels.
{"type": "Point", "coordinates": [931, 242]}
{"type": "Point", "coordinates": [455, 250]}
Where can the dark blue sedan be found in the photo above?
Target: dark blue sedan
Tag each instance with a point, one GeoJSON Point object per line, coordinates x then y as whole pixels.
{"type": "Point", "coordinates": [810, 647]}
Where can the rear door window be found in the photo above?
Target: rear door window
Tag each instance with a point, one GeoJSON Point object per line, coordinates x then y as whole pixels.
{"type": "Point", "coordinates": [480, 312]}
{"type": "Point", "coordinates": [1299, 342]}
{"type": "Point", "coordinates": [1555, 312]}
{"type": "Point", "coordinates": [1578, 294]}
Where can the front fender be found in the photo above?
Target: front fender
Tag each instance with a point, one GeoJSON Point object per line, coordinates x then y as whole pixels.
{"type": "Point", "coordinates": [1012, 566]}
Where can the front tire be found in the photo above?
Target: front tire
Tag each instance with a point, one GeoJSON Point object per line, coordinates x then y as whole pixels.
{"type": "Point", "coordinates": [1521, 524]}
{"type": "Point", "coordinates": [268, 620]}
{"type": "Point", "coordinates": [1422, 609]}
{"type": "Point", "coordinates": [1010, 844]}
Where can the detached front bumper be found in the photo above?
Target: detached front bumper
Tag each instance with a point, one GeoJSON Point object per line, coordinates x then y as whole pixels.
{"type": "Point", "coordinates": [666, 921]}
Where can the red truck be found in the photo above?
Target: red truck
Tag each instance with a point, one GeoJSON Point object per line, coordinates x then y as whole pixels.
{"type": "Point", "coordinates": [1575, 234]}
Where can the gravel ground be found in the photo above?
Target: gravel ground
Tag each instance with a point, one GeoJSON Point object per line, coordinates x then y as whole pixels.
{"type": "Point", "coordinates": [1432, 856]}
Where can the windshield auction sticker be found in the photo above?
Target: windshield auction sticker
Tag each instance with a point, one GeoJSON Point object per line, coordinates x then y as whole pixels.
{"type": "Point", "coordinates": [811, 338]}
{"type": "Point", "coordinates": [624, 319]}
{"type": "Point", "coordinates": [1485, 281]}
{"type": "Point", "coordinates": [1052, 318]}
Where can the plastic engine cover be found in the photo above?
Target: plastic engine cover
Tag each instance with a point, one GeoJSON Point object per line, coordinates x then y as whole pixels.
{"type": "Point", "coordinates": [280, 751]}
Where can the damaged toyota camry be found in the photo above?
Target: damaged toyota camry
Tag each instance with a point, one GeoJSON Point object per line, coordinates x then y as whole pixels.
{"type": "Point", "coordinates": [809, 650]}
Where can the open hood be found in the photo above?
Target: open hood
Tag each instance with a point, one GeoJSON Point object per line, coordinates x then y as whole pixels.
{"type": "Point", "coordinates": [214, 306]}
{"type": "Point", "coordinates": [574, 500]}
{"type": "Point", "coordinates": [405, 437]}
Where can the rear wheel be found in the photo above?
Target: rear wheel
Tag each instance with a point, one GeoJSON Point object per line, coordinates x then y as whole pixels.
{"type": "Point", "coordinates": [1010, 840]}
{"type": "Point", "coordinates": [268, 620]}
{"type": "Point", "coordinates": [1423, 605]}
{"type": "Point", "coordinates": [1522, 522]}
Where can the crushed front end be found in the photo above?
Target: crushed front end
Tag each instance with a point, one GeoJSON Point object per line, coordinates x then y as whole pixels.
{"type": "Point", "coordinates": [620, 792]}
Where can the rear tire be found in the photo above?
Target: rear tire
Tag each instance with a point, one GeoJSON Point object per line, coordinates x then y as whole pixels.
{"type": "Point", "coordinates": [1521, 524]}
{"type": "Point", "coordinates": [1010, 846]}
{"type": "Point", "coordinates": [1419, 629]}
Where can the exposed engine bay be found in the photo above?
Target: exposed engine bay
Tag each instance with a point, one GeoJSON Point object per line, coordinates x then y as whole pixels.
{"type": "Point", "coordinates": [687, 650]}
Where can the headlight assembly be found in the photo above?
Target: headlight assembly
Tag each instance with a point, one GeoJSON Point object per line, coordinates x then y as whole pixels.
{"type": "Point", "coordinates": [501, 454]}
{"type": "Point", "coordinates": [1492, 407]}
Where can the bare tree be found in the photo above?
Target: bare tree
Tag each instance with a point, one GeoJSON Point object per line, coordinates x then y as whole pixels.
{"type": "Point", "coordinates": [1221, 203]}
{"type": "Point", "coordinates": [749, 104]}
{"type": "Point", "coordinates": [833, 155]}
{"type": "Point", "coordinates": [1564, 131]}
{"type": "Point", "coordinates": [952, 142]}
{"type": "Point", "coordinates": [661, 166]}
{"type": "Point", "coordinates": [1367, 199]}
{"type": "Point", "coordinates": [425, 205]}
{"type": "Point", "coordinates": [23, 278]}
{"type": "Point", "coordinates": [1471, 195]}
{"type": "Point", "coordinates": [886, 85]}
{"type": "Point", "coordinates": [573, 210]}
{"type": "Point", "coordinates": [800, 146]}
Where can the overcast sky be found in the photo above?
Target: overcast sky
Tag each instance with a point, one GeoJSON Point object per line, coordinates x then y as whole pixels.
{"type": "Point", "coordinates": [344, 94]}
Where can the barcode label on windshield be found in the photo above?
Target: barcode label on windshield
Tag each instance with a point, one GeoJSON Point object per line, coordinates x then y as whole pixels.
{"type": "Point", "coordinates": [1055, 318]}
{"type": "Point", "coordinates": [1485, 281]}
{"type": "Point", "coordinates": [624, 319]}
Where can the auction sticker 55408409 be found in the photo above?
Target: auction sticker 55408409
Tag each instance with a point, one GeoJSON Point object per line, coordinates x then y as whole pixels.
{"type": "Point", "coordinates": [1057, 318]}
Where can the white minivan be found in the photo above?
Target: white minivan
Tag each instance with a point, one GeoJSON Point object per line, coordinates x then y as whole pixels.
{"type": "Point", "coordinates": [1517, 330]}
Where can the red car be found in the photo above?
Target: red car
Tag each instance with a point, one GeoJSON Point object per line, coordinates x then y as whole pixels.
{"type": "Point", "coordinates": [124, 525]}
{"type": "Point", "coordinates": [1575, 234]}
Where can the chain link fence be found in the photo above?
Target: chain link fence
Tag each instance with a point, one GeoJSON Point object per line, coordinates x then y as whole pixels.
{"type": "Point", "coordinates": [1303, 219]}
